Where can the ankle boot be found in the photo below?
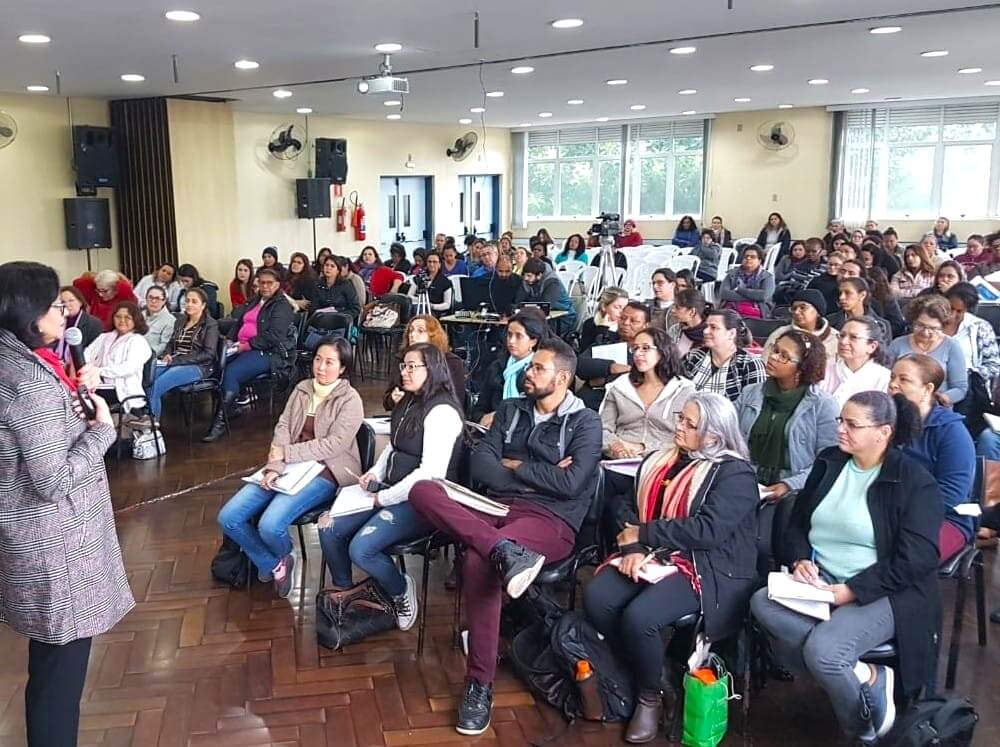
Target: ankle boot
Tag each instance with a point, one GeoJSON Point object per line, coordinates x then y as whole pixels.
{"type": "Point", "coordinates": [645, 723]}
{"type": "Point", "coordinates": [218, 428]}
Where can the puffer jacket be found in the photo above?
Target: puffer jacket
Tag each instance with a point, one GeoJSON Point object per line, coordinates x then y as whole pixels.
{"type": "Point", "coordinates": [276, 332]}
{"type": "Point", "coordinates": [624, 417]}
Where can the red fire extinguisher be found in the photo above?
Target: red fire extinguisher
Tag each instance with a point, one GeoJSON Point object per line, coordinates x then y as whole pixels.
{"type": "Point", "coordinates": [342, 217]}
{"type": "Point", "coordinates": [358, 219]}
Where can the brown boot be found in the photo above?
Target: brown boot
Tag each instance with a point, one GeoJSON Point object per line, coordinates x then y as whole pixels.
{"type": "Point", "coordinates": [645, 723]}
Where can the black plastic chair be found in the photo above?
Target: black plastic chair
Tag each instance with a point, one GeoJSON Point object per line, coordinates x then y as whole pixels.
{"type": "Point", "coordinates": [211, 385]}
{"type": "Point", "coordinates": [761, 329]}
{"type": "Point", "coordinates": [326, 323]}
{"type": "Point", "coordinates": [378, 343]}
{"type": "Point", "coordinates": [426, 547]}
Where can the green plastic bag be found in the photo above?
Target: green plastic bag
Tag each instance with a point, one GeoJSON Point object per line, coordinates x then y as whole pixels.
{"type": "Point", "coordinates": [706, 707]}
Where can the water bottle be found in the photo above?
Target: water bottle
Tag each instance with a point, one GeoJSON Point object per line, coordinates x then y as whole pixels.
{"type": "Point", "coordinates": [590, 698]}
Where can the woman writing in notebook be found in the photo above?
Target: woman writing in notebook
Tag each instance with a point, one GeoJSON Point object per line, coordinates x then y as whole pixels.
{"type": "Point", "coordinates": [425, 441]}
{"type": "Point", "coordinates": [320, 423]}
{"type": "Point", "coordinates": [864, 527]}
{"type": "Point", "coordinates": [696, 500]}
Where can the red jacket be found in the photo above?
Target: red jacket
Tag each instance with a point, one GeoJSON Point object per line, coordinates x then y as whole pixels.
{"type": "Point", "coordinates": [633, 239]}
{"type": "Point", "coordinates": [97, 306]}
{"type": "Point", "coordinates": [382, 280]}
{"type": "Point", "coordinates": [236, 296]}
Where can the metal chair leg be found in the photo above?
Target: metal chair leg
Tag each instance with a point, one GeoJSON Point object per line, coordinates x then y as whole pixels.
{"type": "Point", "coordinates": [956, 635]}
{"type": "Point", "coordinates": [302, 545]}
{"type": "Point", "coordinates": [980, 581]}
{"type": "Point", "coordinates": [421, 632]}
{"type": "Point", "coordinates": [456, 619]}
{"type": "Point", "coordinates": [322, 575]}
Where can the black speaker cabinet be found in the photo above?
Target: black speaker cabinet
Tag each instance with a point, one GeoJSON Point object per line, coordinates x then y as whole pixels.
{"type": "Point", "coordinates": [331, 159]}
{"type": "Point", "coordinates": [312, 198]}
{"type": "Point", "coordinates": [88, 223]}
{"type": "Point", "coordinates": [95, 155]}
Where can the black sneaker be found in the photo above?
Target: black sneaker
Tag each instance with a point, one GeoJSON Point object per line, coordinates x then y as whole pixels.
{"type": "Point", "coordinates": [518, 565]}
{"type": "Point", "coordinates": [475, 709]}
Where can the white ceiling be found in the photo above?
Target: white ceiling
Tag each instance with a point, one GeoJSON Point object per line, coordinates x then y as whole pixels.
{"type": "Point", "coordinates": [310, 40]}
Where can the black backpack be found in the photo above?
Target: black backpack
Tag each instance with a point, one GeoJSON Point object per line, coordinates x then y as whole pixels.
{"type": "Point", "coordinates": [231, 565]}
{"type": "Point", "coordinates": [942, 722]}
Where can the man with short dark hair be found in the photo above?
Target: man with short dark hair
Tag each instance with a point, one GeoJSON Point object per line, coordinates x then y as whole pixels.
{"type": "Point", "coordinates": [540, 284]}
{"type": "Point", "coordinates": [539, 458]}
{"type": "Point", "coordinates": [488, 256]}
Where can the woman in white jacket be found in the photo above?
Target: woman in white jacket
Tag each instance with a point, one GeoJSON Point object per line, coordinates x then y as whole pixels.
{"type": "Point", "coordinates": [860, 362]}
{"type": "Point", "coordinates": [121, 354]}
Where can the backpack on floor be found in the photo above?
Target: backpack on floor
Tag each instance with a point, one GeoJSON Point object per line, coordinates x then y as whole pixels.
{"type": "Point", "coordinates": [942, 722]}
{"type": "Point", "coordinates": [231, 566]}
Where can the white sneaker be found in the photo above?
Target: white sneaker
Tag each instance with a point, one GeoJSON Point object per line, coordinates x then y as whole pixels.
{"type": "Point", "coordinates": [406, 605]}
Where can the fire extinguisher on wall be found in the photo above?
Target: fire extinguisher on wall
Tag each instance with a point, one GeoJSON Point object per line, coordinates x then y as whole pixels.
{"type": "Point", "coordinates": [358, 219]}
{"type": "Point", "coordinates": [342, 217]}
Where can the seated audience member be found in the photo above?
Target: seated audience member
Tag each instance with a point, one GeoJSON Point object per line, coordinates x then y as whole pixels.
{"type": "Point", "coordinates": [882, 256]}
{"type": "Point", "coordinates": [474, 252]}
{"type": "Point", "coordinates": [384, 280]}
{"type": "Point", "coordinates": [722, 365]}
{"type": "Point", "coordinates": [890, 242]}
{"type": "Point", "coordinates": [190, 354]}
{"type": "Point", "coordinates": [723, 236]}
{"type": "Point", "coordinates": [802, 272]}
{"type": "Point", "coordinates": [317, 264]}
{"type": "Point", "coordinates": [540, 459]}
{"type": "Point", "coordinates": [786, 419]}
{"type": "Point", "coordinates": [629, 236]}
{"type": "Point", "coordinates": [688, 330]}
{"type": "Point", "coordinates": [858, 237]}
{"type": "Point", "coordinates": [596, 371]}
{"type": "Point", "coordinates": [916, 274]}
{"type": "Point", "coordinates": [541, 285]}
{"type": "Point", "coordinates": [165, 277]}
{"type": "Point", "coordinates": [602, 328]}
{"type": "Point", "coordinates": [663, 297]}
{"type": "Point", "coordinates": [368, 261]}
{"type": "Point", "coordinates": [506, 245]}
{"type": "Point", "coordinates": [621, 261]}
{"type": "Point", "coordinates": [121, 355]}
{"type": "Point", "coordinates": [929, 247]}
{"type": "Point", "coordinates": [159, 320]}
{"type": "Point", "coordinates": [544, 237]}
{"type": "Point", "coordinates": [946, 240]}
{"type": "Point", "coordinates": [976, 338]}
{"type": "Point", "coordinates": [574, 248]}
{"type": "Point", "coordinates": [828, 283]}
{"type": "Point", "coordinates": [300, 282]}
{"type": "Point", "coordinates": [320, 423]}
{"type": "Point", "coordinates": [76, 316]}
{"type": "Point", "coordinates": [397, 258]}
{"type": "Point", "coordinates": [487, 262]}
{"type": "Point", "coordinates": [241, 286]}
{"type": "Point", "coordinates": [504, 377]}
{"type": "Point", "coordinates": [808, 309]}
{"type": "Point", "coordinates": [695, 507]}
{"type": "Point", "coordinates": [452, 264]}
{"type": "Point", "coordinates": [747, 288]}
{"type": "Point", "coordinates": [854, 302]}
{"type": "Point", "coordinates": [928, 316]}
{"type": "Point", "coordinates": [860, 364]}
{"type": "Point", "coordinates": [520, 258]}
{"type": "Point", "coordinates": [686, 234]}
{"type": "Point", "coordinates": [685, 281]}
{"type": "Point", "coordinates": [333, 291]}
{"type": "Point", "coordinates": [795, 260]}
{"type": "Point", "coordinates": [709, 254]}
{"type": "Point", "coordinates": [775, 231]}
{"type": "Point", "coordinates": [439, 288]}
{"type": "Point", "coordinates": [540, 251]}
{"type": "Point", "coordinates": [347, 273]}
{"type": "Point", "coordinates": [884, 302]}
{"type": "Point", "coordinates": [420, 329]}
{"type": "Point", "coordinates": [189, 277]}
{"type": "Point", "coordinates": [948, 274]}
{"type": "Point", "coordinates": [977, 257]}
{"type": "Point", "coordinates": [269, 260]}
{"type": "Point", "coordinates": [944, 446]}
{"type": "Point", "coordinates": [265, 337]}
{"type": "Point", "coordinates": [419, 261]}
{"type": "Point", "coordinates": [834, 228]}
{"type": "Point", "coordinates": [865, 526]}
{"type": "Point", "coordinates": [103, 292]}
{"type": "Point", "coordinates": [425, 442]}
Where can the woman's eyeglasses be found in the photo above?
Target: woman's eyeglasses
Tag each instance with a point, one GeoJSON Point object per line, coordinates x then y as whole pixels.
{"type": "Point", "coordinates": [411, 367]}
{"type": "Point", "coordinates": [59, 305]}
{"type": "Point", "coordinates": [784, 357]}
{"type": "Point", "coordinates": [852, 426]}
{"type": "Point", "coordinates": [644, 349]}
{"type": "Point", "coordinates": [927, 329]}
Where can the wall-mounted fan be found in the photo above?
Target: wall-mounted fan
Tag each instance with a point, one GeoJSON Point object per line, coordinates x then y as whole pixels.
{"type": "Point", "coordinates": [776, 135]}
{"type": "Point", "coordinates": [285, 143]}
{"type": "Point", "coordinates": [8, 129]}
{"type": "Point", "coordinates": [463, 146]}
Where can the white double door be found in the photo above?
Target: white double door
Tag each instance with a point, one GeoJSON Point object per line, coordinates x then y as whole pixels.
{"type": "Point", "coordinates": [404, 213]}
{"type": "Point", "coordinates": [476, 211]}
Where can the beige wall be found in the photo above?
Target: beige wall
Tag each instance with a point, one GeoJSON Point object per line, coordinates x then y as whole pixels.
{"type": "Point", "coordinates": [36, 173]}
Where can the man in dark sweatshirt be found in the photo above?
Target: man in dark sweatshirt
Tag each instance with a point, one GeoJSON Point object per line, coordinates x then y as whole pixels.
{"type": "Point", "coordinates": [540, 283]}
{"type": "Point", "coordinates": [539, 458]}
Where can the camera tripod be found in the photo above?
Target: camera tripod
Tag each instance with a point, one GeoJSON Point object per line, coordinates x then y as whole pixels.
{"type": "Point", "coordinates": [606, 274]}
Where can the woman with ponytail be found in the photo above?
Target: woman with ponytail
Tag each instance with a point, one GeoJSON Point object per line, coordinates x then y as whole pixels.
{"type": "Point", "coordinates": [864, 527]}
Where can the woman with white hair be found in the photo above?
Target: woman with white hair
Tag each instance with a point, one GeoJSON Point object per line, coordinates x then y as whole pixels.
{"type": "Point", "coordinates": [103, 291]}
{"type": "Point", "coordinates": [694, 532]}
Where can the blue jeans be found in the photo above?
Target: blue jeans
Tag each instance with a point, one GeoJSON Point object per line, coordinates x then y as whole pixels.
{"type": "Point", "coordinates": [243, 367]}
{"type": "Point", "coordinates": [361, 539]}
{"type": "Point", "coordinates": [166, 378]}
{"type": "Point", "coordinates": [258, 519]}
{"type": "Point", "coordinates": [988, 444]}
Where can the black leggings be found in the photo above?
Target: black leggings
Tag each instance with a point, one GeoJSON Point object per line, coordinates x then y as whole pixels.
{"type": "Point", "coordinates": [52, 696]}
{"type": "Point", "coordinates": [633, 616]}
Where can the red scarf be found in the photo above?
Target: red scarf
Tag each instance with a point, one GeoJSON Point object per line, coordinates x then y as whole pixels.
{"type": "Point", "coordinates": [49, 356]}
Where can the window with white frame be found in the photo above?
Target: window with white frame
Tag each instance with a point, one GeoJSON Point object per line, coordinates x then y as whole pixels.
{"type": "Point", "coordinates": [920, 162]}
{"type": "Point", "coordinates": [667, 165]}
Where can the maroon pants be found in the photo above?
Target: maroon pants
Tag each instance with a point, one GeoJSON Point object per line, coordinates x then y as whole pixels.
{"type": "Point", "coordinates": [527, 524]}
{"type": "Point", "coordinates": [950, 540]}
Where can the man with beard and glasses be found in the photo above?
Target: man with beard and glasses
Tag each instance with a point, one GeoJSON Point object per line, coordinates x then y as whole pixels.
{"type": "Point", "coordinates": [539, 458]}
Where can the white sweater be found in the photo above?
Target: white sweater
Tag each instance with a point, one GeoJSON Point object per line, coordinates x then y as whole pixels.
{"type": "Point", "coordinates": [121, 360]}
{"type": "Point", "coordinates": [842, 383]}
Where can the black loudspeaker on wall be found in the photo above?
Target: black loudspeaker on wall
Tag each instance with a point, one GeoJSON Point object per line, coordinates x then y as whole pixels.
{"type": "Point", "coordinates": [312, 198]}
{"type": "Point", "coordinates": [331, 159]}
{"type": "Point", "coordinates": [88, 223]}
{"type": "Point", "coordinates": [95, 154]}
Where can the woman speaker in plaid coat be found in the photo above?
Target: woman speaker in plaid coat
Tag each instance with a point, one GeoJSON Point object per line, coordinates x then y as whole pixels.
{"type": "Point", "coordinates": [62, 580]}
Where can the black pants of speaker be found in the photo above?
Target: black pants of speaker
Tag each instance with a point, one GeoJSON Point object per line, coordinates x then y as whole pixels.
{"type": "Point", "coordinates": [88, 222]}
{"type": "Point", "coordinates": [312, 198]}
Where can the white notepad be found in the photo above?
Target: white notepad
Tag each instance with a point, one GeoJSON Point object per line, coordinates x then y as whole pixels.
{"type": "Point", "coordinates": [352, 499]}
{"type": "Point", "coordinates": [616, 351]}
{"type": "Point", "coordinates": [652, 572]}
{"type": "Point", "coordinates": [805, 599]}
{"type": "Point", "coordinates": [295, 477]}
{"type": "Point", "coordinates": [628, 467]}
{"type": "Point", "coordinates": [381, 426]}
{"type": "Point", "coordinates": [472, 499]}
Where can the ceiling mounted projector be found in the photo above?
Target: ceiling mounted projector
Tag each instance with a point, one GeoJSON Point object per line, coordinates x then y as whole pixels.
{"type": "Point", "coordinates": [385, 81]}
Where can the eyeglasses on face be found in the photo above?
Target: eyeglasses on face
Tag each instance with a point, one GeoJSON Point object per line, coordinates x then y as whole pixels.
{"type": "Point", "coordinates": [60, 306]}
{"type": "Point", "coordinates": [781, 355]}
{"type": "Point", "coordinates": [685, 424]}
{"type": "Point", "coordinates": [538, 368]}
{"type": "Point", "coordinates": [927, 329]}
{"type": "Point", "coordinates": [411, 366]}
{"type": "Point", "coordinates": [854, 338]}
{"type": "Point", "coordinates": [853, 426]}
{"type": "Point", "coordinates": [644, 349]}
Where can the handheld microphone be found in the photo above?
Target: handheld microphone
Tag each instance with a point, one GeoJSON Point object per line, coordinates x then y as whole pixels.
{"type": "Point", "coordinates": [74, 339]}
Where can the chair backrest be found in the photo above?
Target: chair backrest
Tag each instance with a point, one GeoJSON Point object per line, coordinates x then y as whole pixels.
{"type": "Point", "coordinates": [366, 446]}
{"type": "Point", "coordinates": [979, 482]}
{"type": "Point", "coordinates": [456, 286]}
{"type": "Point", "coordinates": [403, 302]}
{"type": "Point", "coordinates": [148, 368]}
{"type": "Point", "coordinates": [761, 329]}
{"type": "Point", "coordinates": [740, 243]}
{"type": "Point", "coordinates": [220, 357]}
{"type": "Point", "coordinates": [566, 276]}
{"type": "Point", "coordinates": [571, 265]}
{"type": "Point", "coordinates": [726, 260]}
{"type": "Point", "coordinates": [683, 262]}
{"type": "Point", "coordinates": [771, 257]}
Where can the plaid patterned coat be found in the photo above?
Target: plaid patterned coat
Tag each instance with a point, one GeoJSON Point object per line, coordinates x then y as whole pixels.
{"type": "Point", "coordinates": [61, 571]}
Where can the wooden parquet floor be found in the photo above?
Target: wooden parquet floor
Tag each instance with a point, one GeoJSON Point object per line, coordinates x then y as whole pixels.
{"type": "Point", "coordinates": [199, 664]}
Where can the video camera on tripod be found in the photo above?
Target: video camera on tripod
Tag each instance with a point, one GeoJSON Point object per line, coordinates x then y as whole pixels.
{"type": "Point", "coordinates": [609, 227]}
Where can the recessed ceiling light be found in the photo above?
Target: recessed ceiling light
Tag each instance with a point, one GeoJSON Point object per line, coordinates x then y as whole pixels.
{"type": "Point", "coordinates": [616, 82]}
{"type": "Point", "coordinates": [969, 70]}
{"type": "Point", "coordinates": [567, 23]}
{"type": "Point", "coordinates": [544, 115]}
{"type": "Point", "coordinates": [742, 99]}
{"type": "Point", "coordinates": [391, 102]}
{"type": "Point", "coordinates": [133, 78]}
{"type": "Point", "coordinates": [388, 47]}
{"type": "Point", "coordinates": [785, 106]}
{"type": "Point", "coordinates": [393, 116]}
{"type": "Point", "coordinates": [761, 68]}
{"type": "Point", "coordinates": [281, 93]}
{"type": "Point", "coordinates": [465, 120]}
{"type": "Point", "coordinates": [992, 83]}
{"type": "Point", "coordinates": [575, 102]}
{"type": "Point", "coordinates": [885, 30]}
{"type": "Point", "coordinates": [477, 109]}
{"type": "Point", "coordinates": [37, 89]}
{"type": "Point", "coordinates": [184, 16]}
{"type": "Point", "coordinates": [522, 69]}
{"type": "Point", "coordinates": [683, 50]}
{"type": "Point", "coordinates": [935, 53]}
{"type": "Point", "coordinates": [34, 39]}
{"type": "Point", "coordinates": [689, 112]}
{"type": "Point", "coordinates": [687, 91]}
{"type": "Point", "coordinates": [861, 90]}
{"type": "Point", "coordinates": [494, 94]}
{"type": "Point", "coordinates": [601, 119]}
{"type": "Point", "coordinates": [818, 81]}
{"type": "Point", "coordinates": [303, 110]}
{"type": "Point", "coordinates": [525, 124]}
{"type": "Point", "coordinates": [246, 65]}
{"type": "Point", "coordinates": [637, 107]}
